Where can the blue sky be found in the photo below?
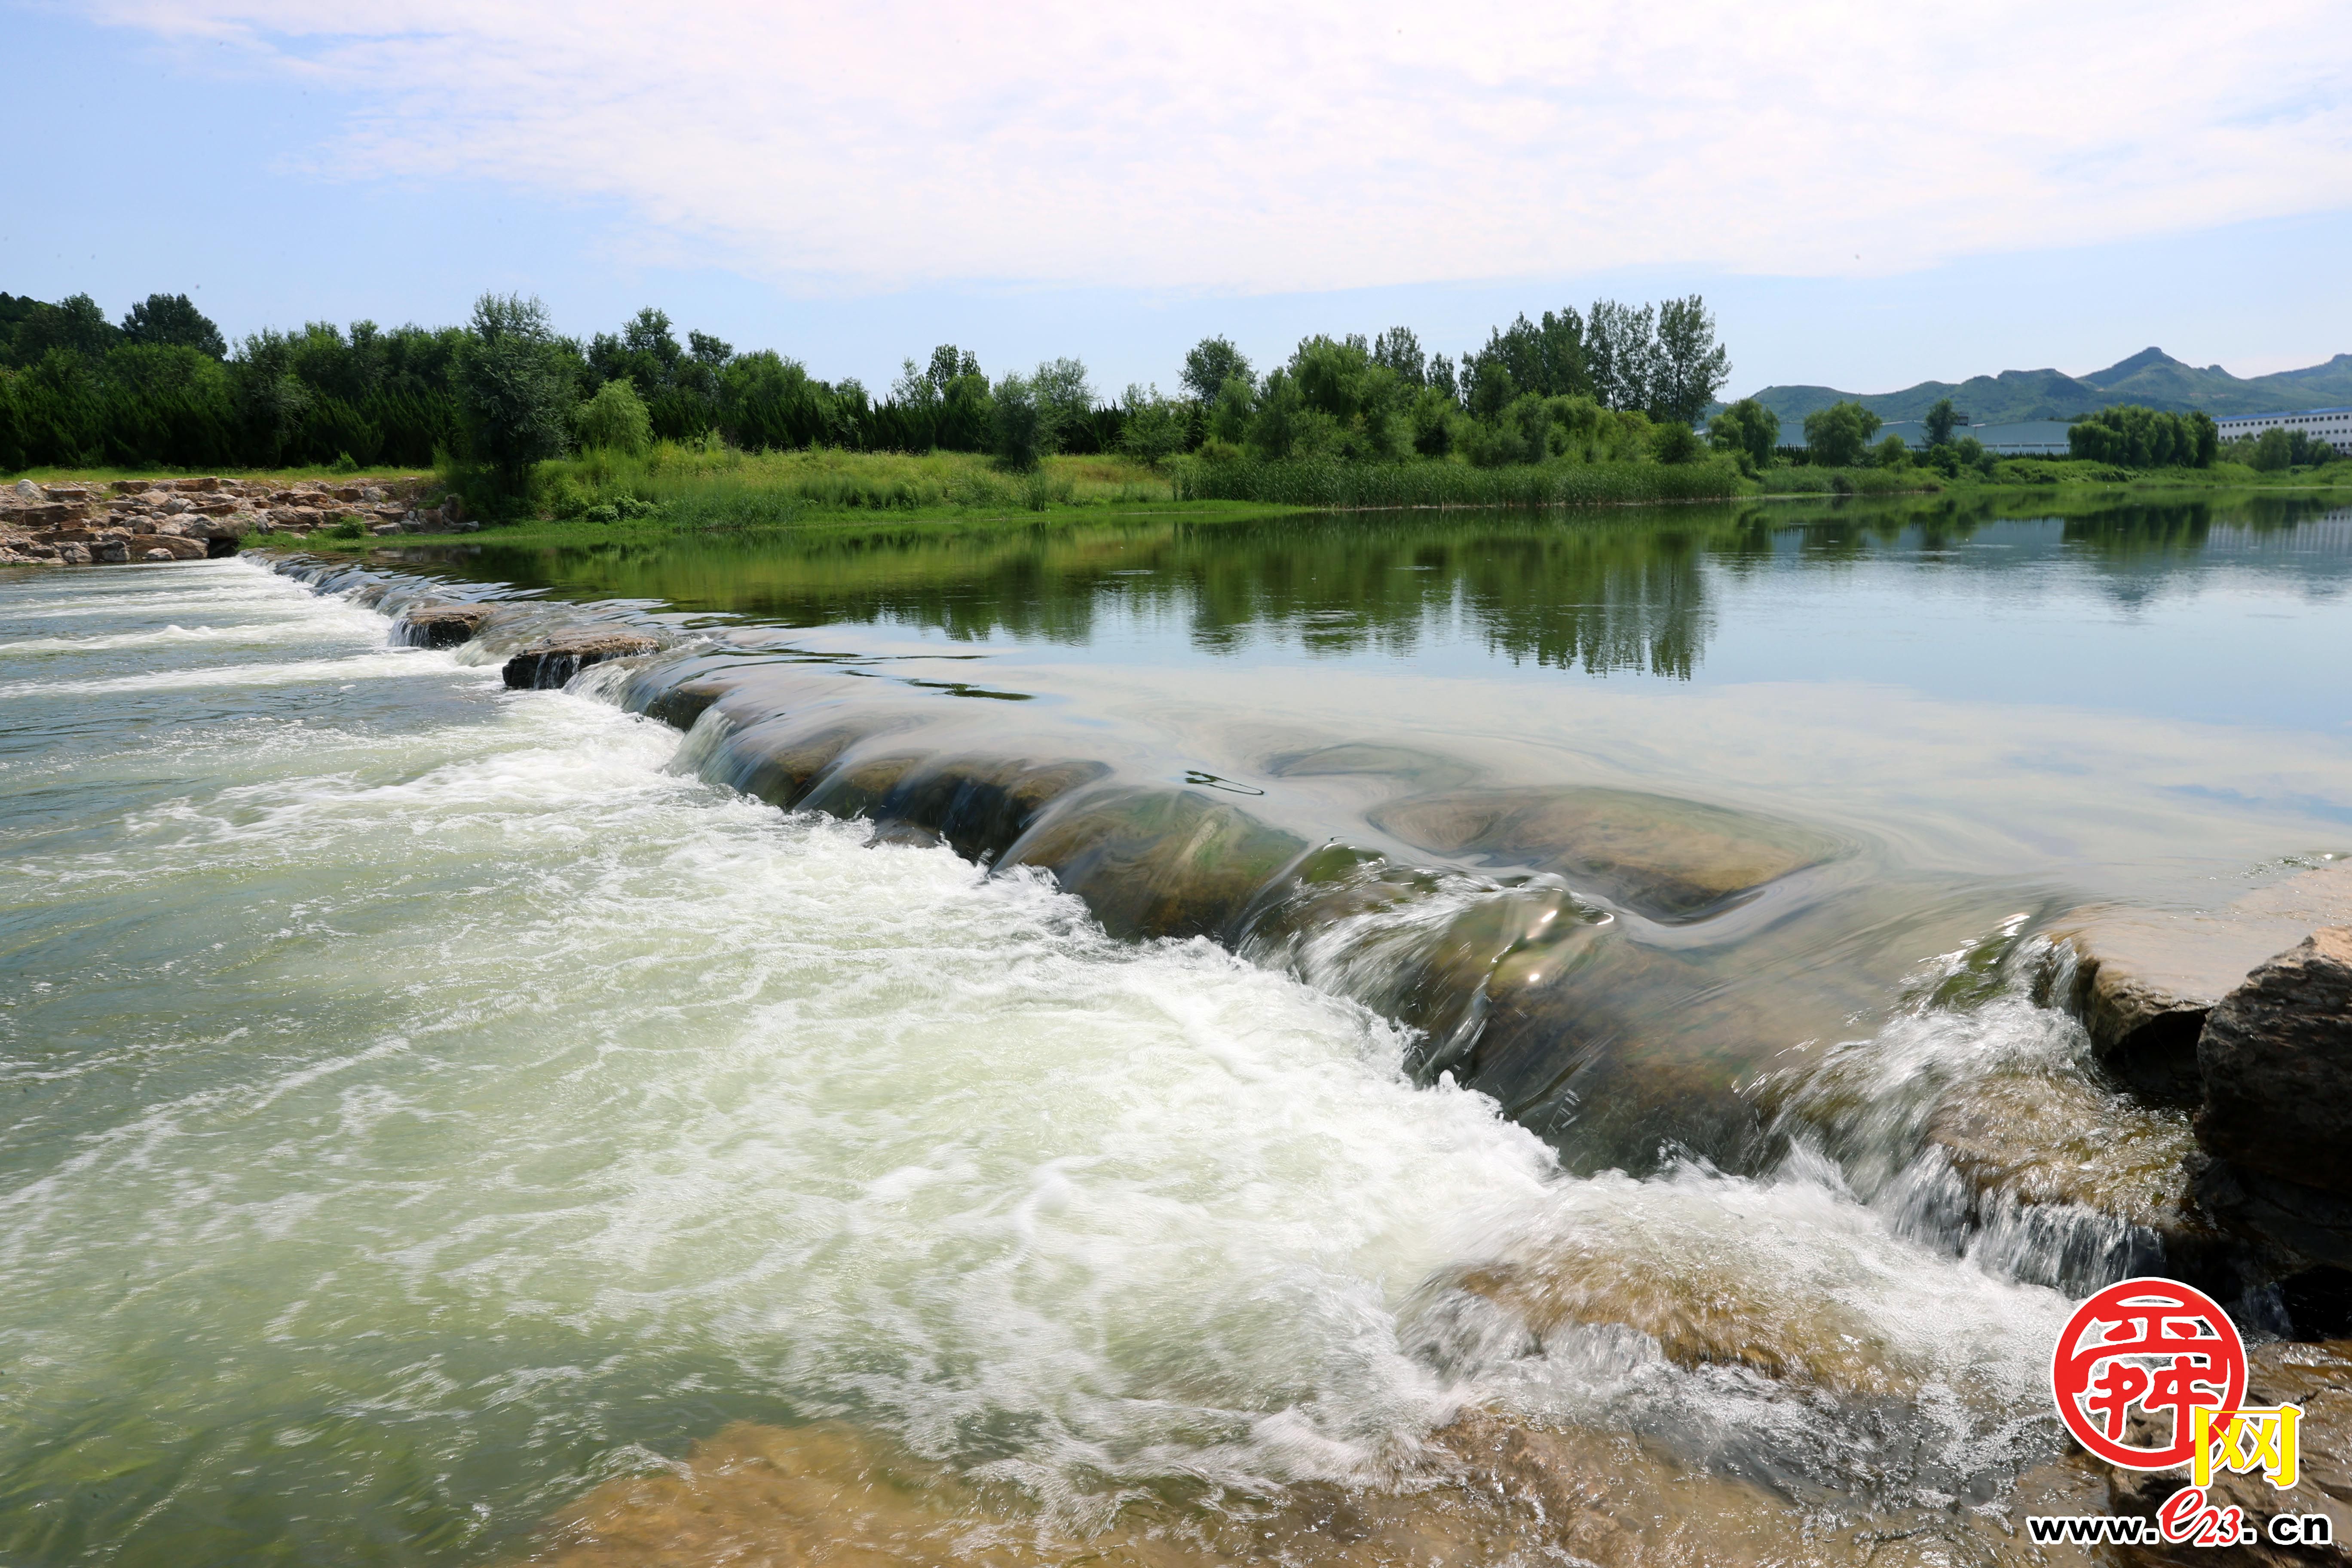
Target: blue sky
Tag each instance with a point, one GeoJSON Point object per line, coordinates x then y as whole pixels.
{"type": "Point", "coordinates": [1861, 205]}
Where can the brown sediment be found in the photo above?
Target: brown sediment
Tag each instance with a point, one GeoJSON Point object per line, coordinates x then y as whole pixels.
{"type": "Point", "coordinates": [1482, 1491]}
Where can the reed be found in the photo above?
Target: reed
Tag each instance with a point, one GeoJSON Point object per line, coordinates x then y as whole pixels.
{"type": "Point", "coordinates": [1354, 487]}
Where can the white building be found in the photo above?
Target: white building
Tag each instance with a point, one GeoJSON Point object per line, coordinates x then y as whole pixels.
{"type": "Point", "coordinates": [2333, 426]}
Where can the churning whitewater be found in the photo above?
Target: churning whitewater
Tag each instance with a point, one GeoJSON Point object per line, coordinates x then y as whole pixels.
{"type": "Point", "coordinates": [440, 1100]}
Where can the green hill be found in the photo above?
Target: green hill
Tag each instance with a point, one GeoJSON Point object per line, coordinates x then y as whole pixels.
{"type": "Point", "coordinates": [2151, 376]}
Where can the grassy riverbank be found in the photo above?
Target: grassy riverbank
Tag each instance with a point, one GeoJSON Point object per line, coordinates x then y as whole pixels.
{"type": "Point", "coordinates": [708, 489]}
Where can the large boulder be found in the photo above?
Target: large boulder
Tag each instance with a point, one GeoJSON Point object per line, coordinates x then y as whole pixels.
{"type": "Point", "coordinates": [2277, 1059]}
{"type": "Point", "coordinates": [2143, 981]}
{"type": "Point", "coordinates": [2275, 1130]}
{"type": "Point", "coordinates": [554, 660]}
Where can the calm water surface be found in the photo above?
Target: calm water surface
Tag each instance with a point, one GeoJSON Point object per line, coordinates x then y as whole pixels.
{"type": "Point", "coordinates": [427, 1106]}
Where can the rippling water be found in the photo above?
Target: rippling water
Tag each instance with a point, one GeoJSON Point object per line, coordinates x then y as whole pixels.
{"type": "Point", "coordinates": [429, 1107]}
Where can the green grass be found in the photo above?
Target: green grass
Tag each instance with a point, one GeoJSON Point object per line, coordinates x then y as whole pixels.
{"type": "Point", "coordinates": [721, 487]}
{"type": "Point", "coordinates": [1331, 485]}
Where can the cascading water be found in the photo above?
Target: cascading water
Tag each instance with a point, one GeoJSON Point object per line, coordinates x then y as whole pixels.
{"type": "Point", "coordinates": [428, 1103]}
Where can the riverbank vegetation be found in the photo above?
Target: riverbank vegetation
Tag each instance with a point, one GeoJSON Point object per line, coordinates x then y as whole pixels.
{"type": "Point", "coordinates": [519, 417]}
{"type": "Point", "coordinates": [1572, 407]}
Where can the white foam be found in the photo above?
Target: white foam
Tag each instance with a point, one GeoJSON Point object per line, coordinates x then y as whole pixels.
{"type": "Point", "coordinates": [503, 1044]}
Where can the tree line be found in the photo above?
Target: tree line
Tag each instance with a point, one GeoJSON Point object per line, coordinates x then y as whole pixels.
{"type": "Point", "coordinates": [162, 388]}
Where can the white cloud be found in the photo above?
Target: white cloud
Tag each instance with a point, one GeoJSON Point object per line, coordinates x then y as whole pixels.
{"type": "Point", "coordinates": [1318, 146]}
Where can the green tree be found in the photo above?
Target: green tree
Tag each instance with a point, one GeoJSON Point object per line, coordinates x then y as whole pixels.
{"type": "Point", "coordinates": [2131, 436]}
{"type": "Point", "coordinates": [1837, 436]}
{"type": "Point", "coordinates": [74, 323]}
{"type": "Point", "coordinates": [1547, 358]}
{"type": "Point", "coordinates": [515, 386]}
{"type": "Point", "coordinates": [172, 321]}
{"type": "Point", "coordinates": [1020, 424]}
{"type": "Point", "coordinates": [1275, 425]}
{"type": "Point", "coordinates": [1156, 427]}
{"type": "Point", "coordinates": [1940, 420]}
{"type": "Point", "coordinates": [1236, 404]}
{"type": "Point", "coordinates": [1622, 350]}
{"type": "Point", "coordinates": [1690, 365]}
{"type": "Point", "coordinates": [1065, 396]}
{"type": "Point", "coordinates": [1399, 350]}
{"type": "Point", "coordinates": [1894, 452]}
{"type": "Point", "coordinates": [1748, 429]}
{"type": "Point", "coordinates": [615, 419]}
{"type": "Point", "coordinates": [1212, 363]}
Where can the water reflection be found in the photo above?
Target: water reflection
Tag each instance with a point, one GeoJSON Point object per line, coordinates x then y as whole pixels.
{"type": "Point", "coordinates": [1637, 591]}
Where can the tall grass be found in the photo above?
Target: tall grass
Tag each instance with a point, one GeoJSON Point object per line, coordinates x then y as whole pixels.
{"type": "Point", "coordinates": [1806, 481]}
{"type": "Point", "coordinates": [1349, 487]}
{"type": "Point", "coordinates": [713, 486]}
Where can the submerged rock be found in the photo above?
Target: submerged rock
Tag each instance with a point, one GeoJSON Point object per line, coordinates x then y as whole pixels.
{"type": "Point", "coordinates": [442, 625]}
{"type": "Point", "coordinates": [1159, 863]}
{"type": "Point", "coordinates": [554, 660]}
{"type": "Point", "coordinates": [1482, 1490]}
{"type": "Point", "coordinates": [1666, 858]}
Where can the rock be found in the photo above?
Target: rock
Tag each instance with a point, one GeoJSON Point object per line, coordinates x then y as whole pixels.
{"type": "Point", "coordinates": [2276, 1058]}
{"type": "Point", "coordinates": [2318, 1377]}
{"type": "Point", "coordinates": [74, 554]}
{"type": "Point", "coordinates": [372, 493]}
{"type": "Point", "coordinates": [179, 548]}
{"type": "Point", "coordinates": [441, 626]}
{"type": "Point", "coordinates": [1666, 858]}
{"type": "Point", "coordinates": [2091, 1182]}
{"type": "Point", "coordinates": [2303, 1233]}
{"type": "Point", "coordinates": [156, 555]}
{"type": "Point", "coordinates": [109, 552]}
{"type": "Point", "coordinates": [26, 490]}
{"type": "Point", "coordinates": [382, 529]}
{"type": "Point", "coordinates": [2144, 980]}
{"type": "Point", "coordinates": [553, 660]}
{"type": "Point", "coordinates": [1158, 862]}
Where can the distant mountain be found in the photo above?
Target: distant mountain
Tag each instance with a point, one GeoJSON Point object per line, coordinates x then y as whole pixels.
{"type": "Point", "coordinates": [2151, 376]}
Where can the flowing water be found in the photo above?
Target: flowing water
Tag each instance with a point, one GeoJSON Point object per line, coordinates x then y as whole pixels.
{"type": "Point", "coordinates": [451, 1124]}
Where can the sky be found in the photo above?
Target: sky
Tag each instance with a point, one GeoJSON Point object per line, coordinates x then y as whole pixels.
{"type": "Point", "coordinates": [1865, 196]}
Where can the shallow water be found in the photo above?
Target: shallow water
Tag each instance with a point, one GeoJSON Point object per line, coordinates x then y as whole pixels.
{"type": "Point", "coordinates": [432, 1110]}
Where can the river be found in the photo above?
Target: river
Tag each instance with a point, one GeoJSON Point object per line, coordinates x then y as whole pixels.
{"type": "Point", "coordinates": [450, 1124]}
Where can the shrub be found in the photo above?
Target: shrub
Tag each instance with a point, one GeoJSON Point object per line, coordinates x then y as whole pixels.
{"type": "Point", "coordinates": [1836, 435]}
{"type": "Point", "coordinates": [1748, 429]}
{"type": "Point", "coordinates": [1674, 442]}
{"type": "Point", "coordinates": [615, 420]}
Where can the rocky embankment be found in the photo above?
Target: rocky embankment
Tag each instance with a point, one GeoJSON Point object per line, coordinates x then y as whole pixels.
{"type": "Point", "coordinates": [192, 519]}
